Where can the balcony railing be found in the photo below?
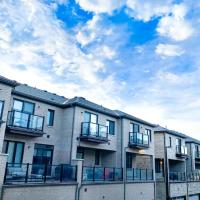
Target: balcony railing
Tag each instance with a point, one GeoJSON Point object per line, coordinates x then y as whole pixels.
{"type": "Point", "coordinates": [138, 140]}
{"type": "Point", "coordinates": [94, 132]}
{"type": "Point", "coordinates": [177, 176]}
{"type": "Point", "coordinates": [25, 121]}
{"type": "Point", "coordinates": [39, 173]}
{"type": "Point", "coordinates": [139, 174]}
{"type": "Point", "coordinates": [102, 174]}
{"type": "Point", "coordinates": [181, 151]}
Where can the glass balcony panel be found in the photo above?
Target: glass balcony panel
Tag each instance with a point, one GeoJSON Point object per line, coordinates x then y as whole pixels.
{"type": "Point", "coordinates": [139, 138]}
{"type": "Point", "coordinates": [136, 174]}
{"type": "Point", "coordinates": [109, 174]}
{"type": "Point", "coordinates": [88, 174]}
{"type": "Point", "coordinates": [143, 174]}
{"type": "Point", "coordinates": [93, 129]}
{"type": "Point", "coordinates": [118, 174]}
{"type": "Point", "coordinates": [85, 128]}
{"type": "Point", "coordinates": [102, 131]}
{"type": "Point", "coordinates": [20, 119]}
{"type": "Point", "coordinates": [145, 139]}
{"type": "Point", "coordinates": [129, 174]}
{"type": "Point", "coordinates": [98, 173]}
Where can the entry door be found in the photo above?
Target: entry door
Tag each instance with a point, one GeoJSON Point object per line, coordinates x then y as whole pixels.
{"type": "Point", "coordinates": [43, 155]}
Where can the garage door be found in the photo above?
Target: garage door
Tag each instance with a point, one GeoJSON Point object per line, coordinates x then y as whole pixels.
{"type": "Point", "coordinates": [194, 197]}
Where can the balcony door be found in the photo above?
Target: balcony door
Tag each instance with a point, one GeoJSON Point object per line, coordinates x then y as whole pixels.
{"type": "Point", "coordinates": [43, 155]}
{"type": "Point", "coordinates": [90, 124]}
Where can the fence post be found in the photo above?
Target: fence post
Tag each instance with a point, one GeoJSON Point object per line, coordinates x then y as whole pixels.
{"type": "Point", "coordinates": [27, 169]}
{"type": "Point", "coordinates": [61, 173]}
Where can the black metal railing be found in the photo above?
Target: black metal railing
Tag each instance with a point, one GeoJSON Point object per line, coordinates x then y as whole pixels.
{"type": "Point", "coordinates": [181, 150]}
{"type": "Point", "coordinates": [39, 173]}
{"type": "Point", "coordinates": [25, 120]}
{"type": "Point", "coordinates": [177, 176]}
{"type": "Point", "coordinates": [139, 174]}
{"type": "Point", "coordinates": [102, 174]}
{"type": "Point", "coordinates": [138, 139]}
{"type": "Point", "coordinates": [193, 176]}
{"type": "Point", "coordinates": [94, 130]}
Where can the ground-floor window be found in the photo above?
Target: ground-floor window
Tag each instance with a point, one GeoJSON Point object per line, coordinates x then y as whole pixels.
{"type": "Point", "coordinates": [178, 198]}
{"type": "Point", "coordinates": [194, 197]}
{"type": "Point", "coordinates": [14, 150]}
{"type": "Point", "coordinates": [80, 153]}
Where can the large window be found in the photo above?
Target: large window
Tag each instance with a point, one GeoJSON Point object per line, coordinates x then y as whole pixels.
{"type": "Point", "coordinates": [50, 117]}
{"type": "Point", "coordinates": [90, 117]}
{"type": "Point", "coordinates": [23, 106]}
{"type": "Point", "coordinates": [129, 160]}
{"type": "Point", "coordinates": [1, 109]}
{"type": "Point", "coordinates": [111, 127]}
{"type": "Point", "coordinates": [14, 150]}
{"type": "Point", "coordinates": [134, 128]}
{"type": "Point", "coordinates": [80, 153]}
{"type": "Point", "coordinates": [178, 142]}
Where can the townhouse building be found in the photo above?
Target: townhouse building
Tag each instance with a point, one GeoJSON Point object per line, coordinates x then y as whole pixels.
{"type": "Point", "coordinates": [173, 177]}
{"type": "Point", "coordinates": [193, 161]}
{"type": "Point", "coordinates": [43, 135]}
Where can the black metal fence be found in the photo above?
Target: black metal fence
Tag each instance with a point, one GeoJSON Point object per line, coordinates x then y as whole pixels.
{"type": "Point", "coordinates": [177, 176]}
{"type": "Point", "coordinates": [102, 174]}
{"type": "Point", "coordinates": [38, 173]}
{"type": "Point", "coordinates": [139, 174]}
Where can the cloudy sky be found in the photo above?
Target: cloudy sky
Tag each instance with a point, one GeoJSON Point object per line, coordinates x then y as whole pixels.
{"type": "Point", "coordinates": [142, 57]}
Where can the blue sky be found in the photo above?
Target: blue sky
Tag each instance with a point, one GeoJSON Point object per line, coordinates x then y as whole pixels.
{"type": "Point", "coordinates": [138, 56]}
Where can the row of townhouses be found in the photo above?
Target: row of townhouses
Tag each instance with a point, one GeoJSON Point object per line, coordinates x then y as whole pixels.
{"type": "Point", "coordinates": [53, 147]}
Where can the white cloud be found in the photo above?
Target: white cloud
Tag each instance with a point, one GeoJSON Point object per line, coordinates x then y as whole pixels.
{"type": "Point", "coordinates": [145, 10]}
{"type": "Point", "coordinates": [100, 6]}
{"type": "Point", "coordinates": [175, 26]}
{"type": "Point", "coordinates": [169, 50]}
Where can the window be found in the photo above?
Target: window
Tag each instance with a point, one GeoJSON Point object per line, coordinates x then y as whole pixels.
{"type": "Point", "coordinates": [148, 132]}
{"type": "Point", "coordinates": [80, 153]}
{"type": "Point", "coordinates": [134, 128]}
{"type": "Point", "coordinates": [14, 150]}
{"type": "Point", "coordinates": [97, 157]}
{"type": "Point", "coordinates": [170, 142]}
{"type": "Point", "coordinates": [23, 106]}
{"type": "Point", "coordinates": [178, 142]}
{"type": "Point", "coordinates": [111, 127]}
{"type": "Point", "coordinates": [159, 165]}
{"type": "Point", "coordinates": [89, 117]}
{"type": "Point", "coordinates": [1, 109]}
{"type": "Point", "coordinates": [129, 159]}
{"type": "Point", "coordinates": [50, 117]}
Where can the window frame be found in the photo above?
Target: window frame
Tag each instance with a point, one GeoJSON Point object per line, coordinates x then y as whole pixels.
{"type": "Point", "coordinates": [2, 108]}
{"type": "Point", "coordinates": [91, 113]}
{"type": "Point", "coordinates": [108, 127]}
{"type": "Point", "coordinates": [149, 133]}
{"type": "Point", "coordinates": [80, 150]}
{"type": "Point", "coordinates": [97, 160]}
{"type": "Point", "coordinates": [23, 102]}
{"type": "Point", "coordinates": [135, 124]}
{"type": "Point", "coordinates": [15, 148]}
{"type": "Point", "coordinates": [48, 120]}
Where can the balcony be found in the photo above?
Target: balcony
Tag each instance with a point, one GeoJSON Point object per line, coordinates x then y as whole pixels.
{"type": "Point", "coordinates": [138, 140]}
{"type": "Point", "coordinates": [94, 132]}
{"type": "Point", "coordinates": [181, 151]}
{"type": "Point", "coordinates": [25, 124]}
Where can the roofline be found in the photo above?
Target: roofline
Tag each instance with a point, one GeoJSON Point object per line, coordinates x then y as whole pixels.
{"type": "Point", "coordinates": [192, 141]}
{"type": "Point", "coordinates": [172, 133]}
{"type": "Point", "coordinates": [8, 82]}
{"type": "Point", "coordinates": [90, 108]}
{"type": "Point", "coordinates": [36, 98]}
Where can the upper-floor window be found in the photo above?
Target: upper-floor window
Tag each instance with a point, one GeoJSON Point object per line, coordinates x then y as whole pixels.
{"type": "Point", "coordinates": [111, 127]}
{"type": "Point", "coordinates": [80, 153]}
{"type": "Point", "coordinates": [1, 109]}
{"type": "Point", "coordinates": [148, 132]}
{"type": "Point", "coordinates": [97, 157]}
{"type": "Point", "coordinates": [23, 106]}
{"type": "Point", "coordinates": [90, 117]}
{"type": "Point", "coordinates": [134, 128]}
{"type": "Point", "coordinates": [178, 142]}
{"type": "Point", "coordinates": [50, 117]}
{"type": "Point", "coordinates": [170, 141]}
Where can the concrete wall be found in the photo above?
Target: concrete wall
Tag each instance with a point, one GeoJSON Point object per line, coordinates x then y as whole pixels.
{"type": "Point", "coordinates": [39, 192]}
{"type": "Point", "coordinates": [194, 188]}
{"type": "Point", "coordinates": [115, 191]}
{"type": "Point", "coordinates": [159, 145]}
{"type": "Point", "coordinates": [3, 159]}
{"type": "Point", "coordinates": [177, 189]}
{"type": "Point", "coordinates": [161, 190]}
